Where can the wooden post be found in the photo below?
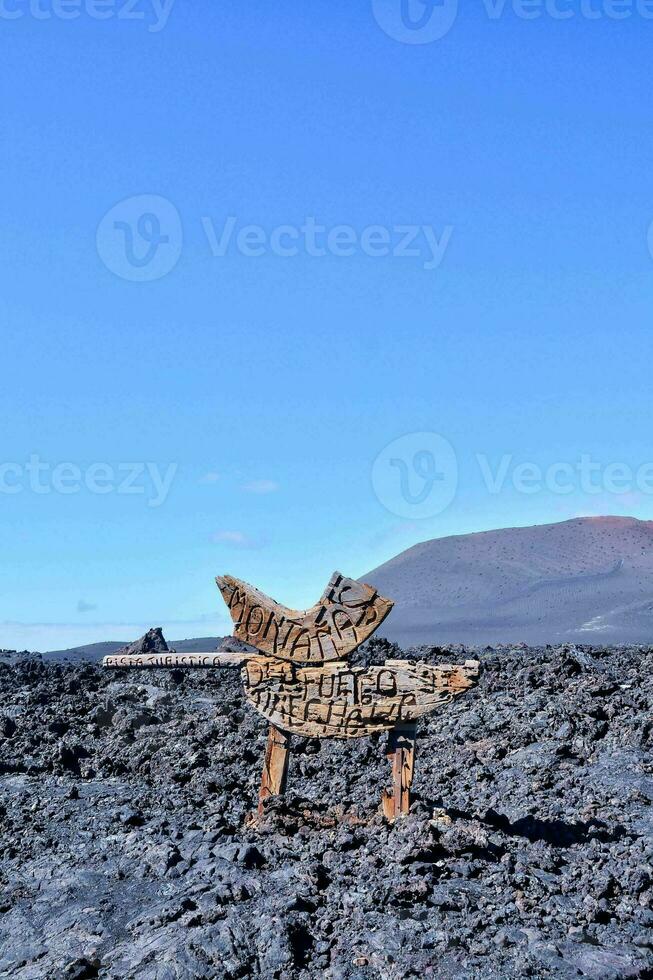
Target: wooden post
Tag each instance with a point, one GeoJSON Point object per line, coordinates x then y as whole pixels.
{"type": "Point", "coordinates": [401, 753]}
{"type": "Point", "coordinates": [275, 767]}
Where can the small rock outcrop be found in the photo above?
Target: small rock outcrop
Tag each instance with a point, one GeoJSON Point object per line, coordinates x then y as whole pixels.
{"type": "Point", "coordinates": [151, 642]}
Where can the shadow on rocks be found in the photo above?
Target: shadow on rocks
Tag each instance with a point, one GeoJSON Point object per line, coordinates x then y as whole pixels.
{"type": "Point", "coordinates": [560, 833]}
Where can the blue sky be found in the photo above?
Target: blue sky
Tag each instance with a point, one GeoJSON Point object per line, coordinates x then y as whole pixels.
{"type": "Point", "coordinates": [288, 288]}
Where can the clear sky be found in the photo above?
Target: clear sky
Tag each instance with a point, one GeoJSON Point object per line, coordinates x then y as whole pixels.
{"type": "Point", "coordinates": [448, 246]}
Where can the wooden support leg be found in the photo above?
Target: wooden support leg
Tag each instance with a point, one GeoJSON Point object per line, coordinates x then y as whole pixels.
{"type": "Point", "coordinates": [401, 753]}
{"type": "Point", "coordinates": [275, 767]}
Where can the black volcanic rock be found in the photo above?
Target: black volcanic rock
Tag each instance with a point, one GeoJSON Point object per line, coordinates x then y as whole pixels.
{"type": "Point", "coordinates": [580, 581]}
{"type": "Point", "coordinates": [8, 657]}
{"type": "Point", "coordinates": [126, 849]}
{"type": "Point", "coordinates": [151, 642]}
{"type": "Point", "coordinates": [231, 644]}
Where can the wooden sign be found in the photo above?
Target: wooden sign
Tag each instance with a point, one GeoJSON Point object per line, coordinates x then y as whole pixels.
{"type": "Point", "coordinates": [303, 685]}
{"type": "Point", "coordinates": [338, 701]}
{"type": "Point", "coordinates": [345, 616]}
{"type": "Point", "coordinates": [173, 659]}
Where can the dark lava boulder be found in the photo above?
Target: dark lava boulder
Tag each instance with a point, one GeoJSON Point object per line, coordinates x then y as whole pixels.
{"type": "Point", "coordinates": [151, 642]}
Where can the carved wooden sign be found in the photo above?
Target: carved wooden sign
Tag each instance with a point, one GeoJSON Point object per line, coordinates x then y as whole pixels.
{"type": "Point", "coordinates": [339, 701]}
{"type": "Point", "coordinates": [173, 659]}
{"type": "Point", "coordinates": [301, 683]}
{"type": "Point", "coordinates": [345, 616]}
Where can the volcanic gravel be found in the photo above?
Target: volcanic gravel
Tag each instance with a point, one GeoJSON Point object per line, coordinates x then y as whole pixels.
{"type": "Point", "coordinates": [126, 849]}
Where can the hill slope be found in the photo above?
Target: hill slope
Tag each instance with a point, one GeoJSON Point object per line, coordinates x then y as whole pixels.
{"type": "Point", "coordinates": [585, 580]}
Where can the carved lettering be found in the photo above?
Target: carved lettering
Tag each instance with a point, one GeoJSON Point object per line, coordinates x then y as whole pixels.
{"type": "Point", "coordinates": [346, 615]}
{"type": "Point", "coordinates": [338, 701]}
{"type": "Point", "coordinates": [255, 617]}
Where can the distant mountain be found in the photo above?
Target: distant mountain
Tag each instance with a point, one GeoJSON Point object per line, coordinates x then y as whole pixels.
{"type": "Point", "coordinates": [96, 651]}
{"type": "Point", "coordinates": [588, 580]}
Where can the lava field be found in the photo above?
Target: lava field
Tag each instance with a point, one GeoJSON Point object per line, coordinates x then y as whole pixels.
{"type": "Point", "coordinates": [127, 847]}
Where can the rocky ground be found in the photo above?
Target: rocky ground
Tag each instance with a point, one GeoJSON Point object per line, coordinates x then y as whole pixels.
{"type": "Point", "coordinates": [125, 848]}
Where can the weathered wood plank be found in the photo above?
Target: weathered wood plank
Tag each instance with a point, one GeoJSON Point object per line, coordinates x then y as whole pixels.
{"type": "Point", "coordinates": [171, 659]}
{"type": "Point", "coordinates": [275, 766]}
{"type": "Point", "coordinates": [345, 616]}
{"type": "Point", "coordinates": [401, 753]}
{"type": "Point", "coordinates": [338, 701]}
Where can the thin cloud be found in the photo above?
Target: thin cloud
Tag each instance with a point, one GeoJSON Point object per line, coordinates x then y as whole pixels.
{"type": "Point", "coordinates": [211, 477]}
{"type": "Point", "coordinates": [237, 539]}
{"type": "Point", "coordinates": [84, 607]}
{"type": "Point", "coordinates": [261, 486]}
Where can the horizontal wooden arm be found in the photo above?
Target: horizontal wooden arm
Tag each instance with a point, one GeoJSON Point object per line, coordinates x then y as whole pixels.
{"type": "Point", "coordinates": [171, 660]}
